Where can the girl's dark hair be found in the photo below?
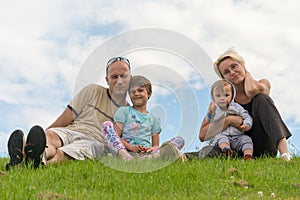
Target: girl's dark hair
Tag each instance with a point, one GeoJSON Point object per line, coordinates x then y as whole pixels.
{"type": "Point", "coordinates": [140, 81]}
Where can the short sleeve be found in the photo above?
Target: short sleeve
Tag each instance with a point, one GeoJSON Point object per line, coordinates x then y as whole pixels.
{"type": "Point", "coordinates": [156, 125]}
{"type": "Point", "coordinates": [121, 114]}
{"type": "Point", "coordinates": [84, 97]}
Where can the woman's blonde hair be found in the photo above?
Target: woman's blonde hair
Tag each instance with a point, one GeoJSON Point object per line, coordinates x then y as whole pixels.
{"type": "Point", "coordinates": [230, 53]}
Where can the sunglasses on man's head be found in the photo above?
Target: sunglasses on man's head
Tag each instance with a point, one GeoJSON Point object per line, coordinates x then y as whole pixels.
{"type": "Point", "coordinates": [115, 59]}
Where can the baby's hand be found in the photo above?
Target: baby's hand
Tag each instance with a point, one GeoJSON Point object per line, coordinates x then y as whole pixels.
{"type": "Point", "coordinates": [245, 127]}
{"type": "Point", "coordinates": [212, 108]}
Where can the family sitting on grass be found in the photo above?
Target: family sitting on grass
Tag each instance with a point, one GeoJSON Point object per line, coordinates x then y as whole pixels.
{"type": "Point", "coordinates": [99, 121]}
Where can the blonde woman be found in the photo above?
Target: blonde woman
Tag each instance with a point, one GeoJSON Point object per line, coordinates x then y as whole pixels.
{"type": "Point", "coordinates": [269, 132]}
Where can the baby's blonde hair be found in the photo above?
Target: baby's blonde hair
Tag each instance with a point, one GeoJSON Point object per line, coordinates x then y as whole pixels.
{"type": "Point", "coordinates": [230, 53]}
{"type": "Point", "coordinates": [220, 85]}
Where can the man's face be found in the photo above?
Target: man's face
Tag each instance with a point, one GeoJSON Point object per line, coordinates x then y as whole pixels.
{"type": "Point", "coordinates": [118, 78]}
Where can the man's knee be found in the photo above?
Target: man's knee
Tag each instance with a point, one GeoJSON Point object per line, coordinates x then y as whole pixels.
{"type": "Point", "coordinates": [59, 157]}
{"type": "Point", "coordinates": [53, 139]}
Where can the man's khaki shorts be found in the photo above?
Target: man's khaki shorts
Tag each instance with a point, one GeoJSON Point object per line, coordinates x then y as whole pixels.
{"type": "Point", "coordinates": [79, 146]}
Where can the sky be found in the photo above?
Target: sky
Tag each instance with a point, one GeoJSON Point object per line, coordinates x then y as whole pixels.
{"type": "Point", "coordinates": [49, 50]}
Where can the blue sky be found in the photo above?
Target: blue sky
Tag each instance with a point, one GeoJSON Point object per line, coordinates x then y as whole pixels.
{"type": "Point", "coordinates": [45, 48]}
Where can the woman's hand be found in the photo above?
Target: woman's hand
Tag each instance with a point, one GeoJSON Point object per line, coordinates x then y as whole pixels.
{"type": "Point", "coordinates": [233, 120]}
{"type": "Point", "coordinates": [254, 87]}
{"type": "Point", "coordinates": [210, 129]}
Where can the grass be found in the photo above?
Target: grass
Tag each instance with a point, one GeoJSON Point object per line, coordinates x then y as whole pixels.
{"type": "Point", "coordinates": [110, 178]}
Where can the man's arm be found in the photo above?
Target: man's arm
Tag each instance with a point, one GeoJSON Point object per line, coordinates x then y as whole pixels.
{"type": "Point", "coordinates": [66, 118]}
{"type": "Point", "coordinates": [254, 87]}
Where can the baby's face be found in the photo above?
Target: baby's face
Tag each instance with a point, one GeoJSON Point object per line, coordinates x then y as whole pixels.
{"type": "Point", "coordinates": [222, 96]}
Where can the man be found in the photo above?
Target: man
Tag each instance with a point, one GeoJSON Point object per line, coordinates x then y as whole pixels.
{"type": "Point", "coordinates": [76, 133]}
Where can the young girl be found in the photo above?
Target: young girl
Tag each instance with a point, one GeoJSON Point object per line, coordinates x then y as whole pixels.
{"type": "Point", "coordinates": [136, 130]}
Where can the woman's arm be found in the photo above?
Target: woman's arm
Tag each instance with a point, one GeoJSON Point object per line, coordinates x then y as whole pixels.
{"type": "Point", "coordinates": [210, 129]}
{"type": "Point", "coordinates": [254, 87]}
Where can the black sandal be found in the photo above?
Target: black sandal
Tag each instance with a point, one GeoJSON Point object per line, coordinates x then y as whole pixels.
{"type": "Point", "coordinates": [35, 145]}
{"type": "Point", "coordinates": [15, 148]}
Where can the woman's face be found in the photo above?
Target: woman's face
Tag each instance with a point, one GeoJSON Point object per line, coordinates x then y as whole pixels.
{"type": "Point", "coordinates": [232, 71]}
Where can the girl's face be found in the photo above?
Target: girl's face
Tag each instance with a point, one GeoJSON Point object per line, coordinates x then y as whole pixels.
{"type": "Point", "coordinates": [222, 96]}
{"type": "Point", "coordinates": [232, 71]}
{"type": "Point", "coordinates": [139, 96]}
